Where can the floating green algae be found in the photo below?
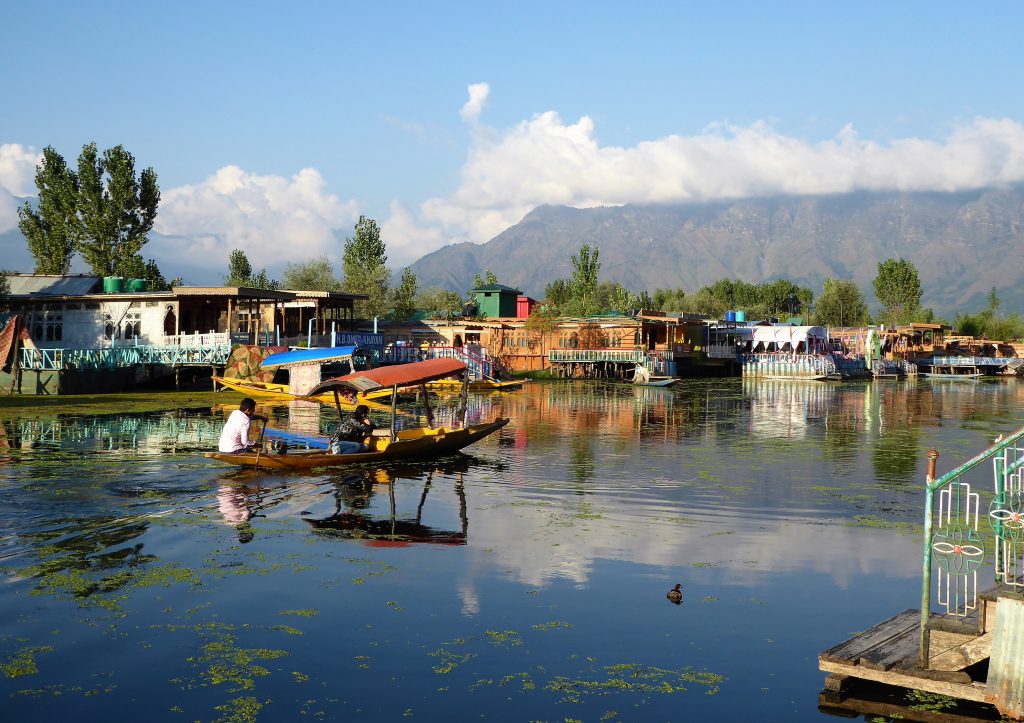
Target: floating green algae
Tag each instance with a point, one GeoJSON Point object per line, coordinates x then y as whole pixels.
{"type": "Point", "coordinates": [634, 678]}
{"type": "Point", "coordinates": [23, 662]}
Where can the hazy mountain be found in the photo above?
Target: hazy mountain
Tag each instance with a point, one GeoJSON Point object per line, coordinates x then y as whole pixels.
{"type": "Point", "coordinates": [963, 244]}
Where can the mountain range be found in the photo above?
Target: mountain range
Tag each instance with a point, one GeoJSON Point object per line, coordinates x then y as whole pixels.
{"type": "Point", "coordinates": [962, 243]}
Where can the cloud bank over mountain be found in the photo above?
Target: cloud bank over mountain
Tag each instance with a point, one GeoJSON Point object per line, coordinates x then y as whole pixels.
{"type": "Point", "coordinates": [507, 172]}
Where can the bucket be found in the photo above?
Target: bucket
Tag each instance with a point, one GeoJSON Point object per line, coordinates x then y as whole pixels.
{"type": "Point", "coordinates": [113, 284]}
{"type": "Point", "coordinates": [136, 284]}
{"type": "Point", "coordinates": [730, 316]}
{"type": "Point", "coordinates": [741, 316]}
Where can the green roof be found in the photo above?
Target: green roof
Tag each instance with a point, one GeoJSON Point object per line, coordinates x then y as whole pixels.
{"type": "Point", "coordinates": [496, 287]}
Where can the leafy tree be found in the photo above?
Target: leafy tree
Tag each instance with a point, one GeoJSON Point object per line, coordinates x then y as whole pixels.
{"type": "Point", "coordinates": [440, 303]}
{"type": "Point", "coordinates": [316, 275]}
{"type": "Point", "coordinates": [841, 304]}
{"type": "Point", "coordinates": [898, 289]}
{"type": "Point", "coordinates": [488, 279]}
{"type": "Point", "coordinates": [364, 268]}
{"type": "Point", "coordinates": [669, 299]}
{"type": "Point", "coordinates": [52, 231]}
{"type": "Point", "coordinates": [116, 209]}
{"type": "Point", "coordinates": [988, 324]}
{"type": "Point", "coordinates": [262, 281]}
{"type": "Point", "coordinates": [781, 296]}
{"type": "Point", "coordinates": [136, 268]}
{"type": "Point", "coordinates": [5, 284]}
{"type": "Point", "coordinates": [558, 294]}
{"type": "Point", "coordinates": [239, 269]}
{"type": "Point", "coordinates": [403, 298]}
{"type": "Point", "coordinates": [539, 324]}
{"type": "Point", "coordinates": [585, 268]}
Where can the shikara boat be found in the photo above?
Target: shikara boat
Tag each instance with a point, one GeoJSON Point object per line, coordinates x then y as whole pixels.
{"type": "Point", "coordinates": [656, 382]}
{"type": "Point", "coordinates": [391, 444]}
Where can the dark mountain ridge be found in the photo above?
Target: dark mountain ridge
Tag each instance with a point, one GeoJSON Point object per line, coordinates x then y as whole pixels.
{"type": "Point", "coordinates": [963, 244]}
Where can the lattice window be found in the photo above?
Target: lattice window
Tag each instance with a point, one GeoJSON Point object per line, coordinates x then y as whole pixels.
{"type": "Point", "coordinates": [132, 324]}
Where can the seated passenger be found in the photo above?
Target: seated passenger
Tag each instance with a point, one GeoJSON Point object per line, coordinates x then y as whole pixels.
{"type": "Point", "coordinates": [348, 437]}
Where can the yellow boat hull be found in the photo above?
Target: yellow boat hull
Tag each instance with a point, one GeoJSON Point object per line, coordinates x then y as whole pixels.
{"type": "Point", "coordinates": [411, 444]}
{"type": "Point", "coordinates": [279, 392]}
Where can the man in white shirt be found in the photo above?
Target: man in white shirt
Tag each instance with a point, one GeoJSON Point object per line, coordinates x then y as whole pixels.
{"type": "Point", "coordinates": [235, 436]}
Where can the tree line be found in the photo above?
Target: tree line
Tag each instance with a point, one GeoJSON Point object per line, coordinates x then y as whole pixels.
{"type": "Point", "coordinates": [103, 211]}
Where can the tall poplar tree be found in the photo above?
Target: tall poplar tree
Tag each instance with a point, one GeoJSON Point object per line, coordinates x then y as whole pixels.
{"type": "Point", "coordinates": [116, 209]}
{"type": "Point", "coordinates": [364, 269]}
{"type": "Point", "coordinates": [898, 289]}
{"type": "Point", "coordinates": [583, 283]}
{"type": "Point", "coordinates": [53, 228]}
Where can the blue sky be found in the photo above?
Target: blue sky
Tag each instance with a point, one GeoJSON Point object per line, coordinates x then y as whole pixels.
{"type": "Point", "coordinates": [272, 126]}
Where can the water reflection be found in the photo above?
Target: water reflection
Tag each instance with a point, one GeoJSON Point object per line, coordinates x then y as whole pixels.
{"type": "Point", "coordinates": [768, 501]}
{"type": "Point", "coordinates": [352, 518]}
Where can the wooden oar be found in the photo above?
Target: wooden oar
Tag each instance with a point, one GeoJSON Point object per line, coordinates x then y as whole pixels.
{"type": "Point", "coordinates": [260, 443]}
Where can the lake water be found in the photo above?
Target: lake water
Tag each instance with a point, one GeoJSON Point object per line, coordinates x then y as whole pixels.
{"type": "Point", "coordinates": [525, 580]}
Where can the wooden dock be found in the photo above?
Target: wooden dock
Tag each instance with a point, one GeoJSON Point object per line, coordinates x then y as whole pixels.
{"type": "Point", "coordinates": [965, 657]}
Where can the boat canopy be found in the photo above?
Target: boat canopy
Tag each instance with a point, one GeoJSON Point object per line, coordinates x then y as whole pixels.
{"type": "Point", "coordinates": [788, 334]}
{"type": "Point", "coordinates": [311, 356]}
{"type": "Point", "coordinates": [400, 375]}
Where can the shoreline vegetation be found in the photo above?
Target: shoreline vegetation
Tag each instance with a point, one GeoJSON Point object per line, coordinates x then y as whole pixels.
{"type": "Point", "coordinates": [116, 402]}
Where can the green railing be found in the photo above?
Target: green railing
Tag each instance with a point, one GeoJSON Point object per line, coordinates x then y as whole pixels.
{"type": "Point", "coordinates": [952, 538]}
{"type": "Point", "coordinates": [123, 356]}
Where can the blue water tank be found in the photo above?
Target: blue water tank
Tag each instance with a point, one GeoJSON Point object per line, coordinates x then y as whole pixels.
{"type": "Point", "coordinates": [741, 316]}
{"type": "Point", "coordinates": [730, 316]}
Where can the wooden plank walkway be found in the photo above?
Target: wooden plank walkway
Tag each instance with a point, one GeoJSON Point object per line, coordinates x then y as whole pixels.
{"type": "Point", "coordinates": [888, 653]}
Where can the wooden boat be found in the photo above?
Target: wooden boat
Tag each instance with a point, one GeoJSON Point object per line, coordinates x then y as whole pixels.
{"type": "Point", "coordinates": [642, 377]}
{"type": "Point", "coordinates": [281, 393]}
{"type": "Point", "coordinates": [389, 444]}
{"type": "Point", "coordinates": [656, 382]}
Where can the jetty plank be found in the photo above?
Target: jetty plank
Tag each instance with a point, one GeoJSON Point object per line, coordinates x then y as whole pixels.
{"type": "Point", "coordinates": [852, 650]}
{"type": "Point", "coordinates": [888, 654]}
{"type": "Point", "coordinates": [906, 680]}
{"type": "Point", "coordinates": [963, 655]}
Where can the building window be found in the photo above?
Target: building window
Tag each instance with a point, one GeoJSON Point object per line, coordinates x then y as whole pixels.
{"type": "Point", "coordinates": [132, 324]}
{"type": "Point", "coordinates": [111, 330]}
{"type": "Point", "coordinates": [48, 326]}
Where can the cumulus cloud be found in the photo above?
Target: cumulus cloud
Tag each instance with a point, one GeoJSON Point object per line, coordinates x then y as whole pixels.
{"type": "Point", "coordinates": [17, 174]}
{"type": "Point", "coordinates": [478, 93]}
{"type": "Point", "coordinates": [544, 160]}
{"type": "Point", "coordinates": [272, 218]}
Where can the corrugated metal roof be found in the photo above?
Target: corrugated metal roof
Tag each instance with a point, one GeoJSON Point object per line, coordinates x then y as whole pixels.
{"type": "Point", "coordinates": [51, 284]}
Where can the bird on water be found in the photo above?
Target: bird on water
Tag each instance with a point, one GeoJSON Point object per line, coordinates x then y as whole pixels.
{"type": "Point", "coordinates": [675, 595]}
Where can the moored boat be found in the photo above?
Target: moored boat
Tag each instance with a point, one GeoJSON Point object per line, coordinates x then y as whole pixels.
{"type": "Point", "coordinates": [390, 444]}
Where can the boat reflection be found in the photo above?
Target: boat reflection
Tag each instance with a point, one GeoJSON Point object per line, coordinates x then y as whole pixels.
{"type": "Point", "coordinates": [352, 518]}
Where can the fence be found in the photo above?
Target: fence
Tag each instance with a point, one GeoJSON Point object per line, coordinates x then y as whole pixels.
{"type": "Point", "coordinates": [953, 539]}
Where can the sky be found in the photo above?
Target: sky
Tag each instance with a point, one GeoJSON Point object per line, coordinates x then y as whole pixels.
{"type": "Point", "coordinates": [273, 126]}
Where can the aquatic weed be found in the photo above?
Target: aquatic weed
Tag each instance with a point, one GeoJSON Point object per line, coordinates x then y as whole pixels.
{"type": "Point", "coordinates": [23, 662]}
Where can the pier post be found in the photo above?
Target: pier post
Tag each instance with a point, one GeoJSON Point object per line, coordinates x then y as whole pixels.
{"type": "Point", "coordinates": [926, 578]}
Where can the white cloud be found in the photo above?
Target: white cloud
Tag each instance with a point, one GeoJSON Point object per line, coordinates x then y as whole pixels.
{"type": "Point", "coordinates": [17, 174]}
{"type": "Point", "coordinates": [478, 93]}
{"type": "Point", "coordinates": [543, 160]}
{"type": "Point", "coordinates": [272, 218]}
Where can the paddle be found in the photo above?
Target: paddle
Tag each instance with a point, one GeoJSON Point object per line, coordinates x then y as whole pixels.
{"type": "Point", "coordinates": [260, 443]}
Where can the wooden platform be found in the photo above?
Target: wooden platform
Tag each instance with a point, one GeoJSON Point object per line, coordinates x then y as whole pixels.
{"type": "Point", "coordinates": [889, 652]}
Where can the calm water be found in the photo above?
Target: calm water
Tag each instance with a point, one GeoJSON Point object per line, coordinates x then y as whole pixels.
{"type": "Point", "coordinates": [523, 581]}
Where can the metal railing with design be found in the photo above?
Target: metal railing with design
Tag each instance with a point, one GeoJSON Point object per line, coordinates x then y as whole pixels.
{"type": "Point", "coordinates": [784, 365]}
{"type": "Point", "coordinates": [953, 532]}
{"type": "Point", "coordinates": [124, 356]}
{"type": "Point", "coordinates": [623, 356]}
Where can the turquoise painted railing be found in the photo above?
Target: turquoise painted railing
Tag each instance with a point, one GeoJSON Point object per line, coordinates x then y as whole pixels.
{"type": "Point", "coordinates": [953, 535]}
{"type": "Point", "coordinates": [624, 356]}
{"type": "Point", "coordinates": [123, 356]}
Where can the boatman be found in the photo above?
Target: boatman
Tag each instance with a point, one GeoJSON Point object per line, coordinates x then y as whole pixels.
{"type": "Point", "coordinates": [234, 439]}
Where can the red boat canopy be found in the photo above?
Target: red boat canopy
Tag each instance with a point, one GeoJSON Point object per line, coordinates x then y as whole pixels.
{"type": "Point", "coordinates": [400, 375]}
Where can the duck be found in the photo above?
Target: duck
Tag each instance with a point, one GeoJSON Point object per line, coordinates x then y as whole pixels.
{"type": "Point", "coordinates": [675, 595]}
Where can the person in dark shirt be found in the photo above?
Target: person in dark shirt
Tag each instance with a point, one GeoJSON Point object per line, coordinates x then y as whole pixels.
{"type": "Point", "coordinates": [349, 437]}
